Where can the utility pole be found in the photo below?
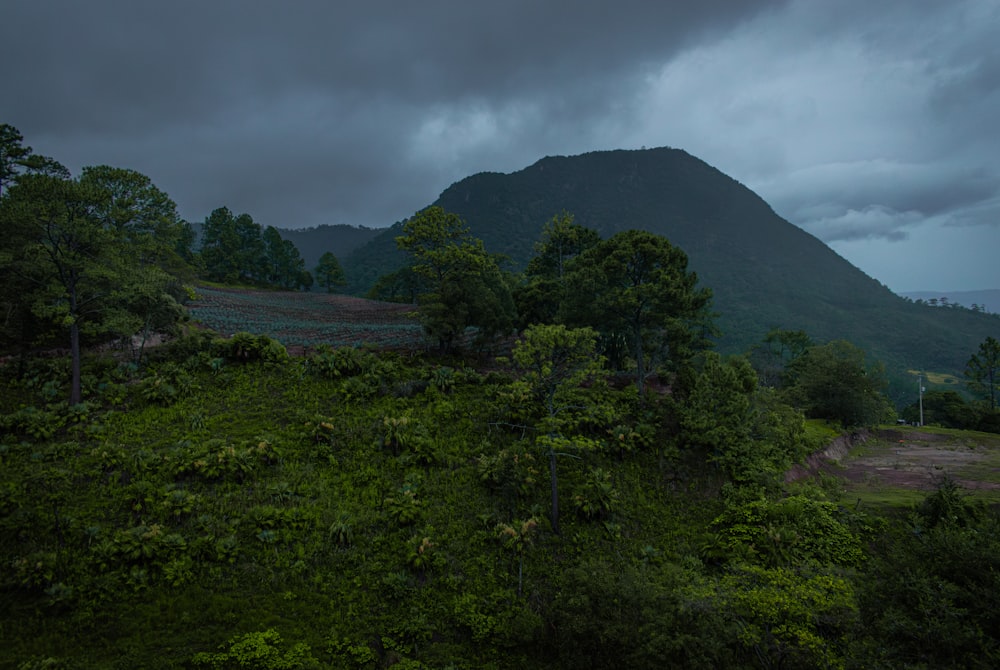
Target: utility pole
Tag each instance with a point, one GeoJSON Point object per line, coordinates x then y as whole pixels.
{"type": "Point", "coordinates": [920, 392]}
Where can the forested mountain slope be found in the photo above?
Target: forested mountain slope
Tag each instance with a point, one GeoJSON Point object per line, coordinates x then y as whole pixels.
{"type": "Point", "coordinates": [765, 272]}
{"type": "Point", "coordinates": [340, 240]}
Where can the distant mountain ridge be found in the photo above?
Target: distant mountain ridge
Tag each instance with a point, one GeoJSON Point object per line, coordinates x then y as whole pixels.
{"type": "Point", "coordinates": [988, 300]}
{"type": "Point", "coordinates": [765, 272]}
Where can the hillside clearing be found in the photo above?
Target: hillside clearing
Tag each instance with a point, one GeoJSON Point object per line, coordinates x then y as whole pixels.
{"type": "Point", "coordinates": [899, 466]}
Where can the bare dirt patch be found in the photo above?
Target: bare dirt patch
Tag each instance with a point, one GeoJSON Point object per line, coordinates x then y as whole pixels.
{"type": "Point", "coordinates": [910, 459]}
{"type": "Point", "coordinates": [916, 465]}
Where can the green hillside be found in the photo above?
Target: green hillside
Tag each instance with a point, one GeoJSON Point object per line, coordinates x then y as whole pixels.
{"type": "Point", "coordinates": [765, 272]}
{"type": "Point", "coordinates": [369, 510]}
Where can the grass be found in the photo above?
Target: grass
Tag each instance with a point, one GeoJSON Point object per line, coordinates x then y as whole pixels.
{"type": "Point", "coordinates": [819, 433]}
{"type": "Point", "coordinates": [936, 378]}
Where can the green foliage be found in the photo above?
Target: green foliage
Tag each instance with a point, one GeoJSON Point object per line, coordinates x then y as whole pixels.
{"type": "Point", "coordinates": [248, 348]}
{"type": "Point", "coordinates": [947, 409]}
{"type": "Point", "coordinates": [784, 533]}
{"type": "Point", "coordinates": [346, 362]}
{"type": "Point", "coordinates": [930, 598]}
{"type": "Point", "coordinates": [741, 428]}
{"type": "Point", "coordinates": [833, 382]}
{"type": "Point", "coordinates": [772, 355]}
{"type": "Point", "coordinates": [90, 259]}
{"type": "Point", "coordinates": [258, 651]}
{"type": "Point", "coordinates": [786, 619]}
{"type": "Point", "coordinates": [283, 266]}
{"type": "Point", "coordinates": [215, 459]}
{"type": "Point", "coordinates": [637, 284]}
{"type": "Point", "coordinates": [465, 287]}
{"type": "Point", "coordinates": [408, 529]}
{"type": "Point", "coordinates": [539, 300]}
{"type": "Point", "coordinates": [232, 249]}
{"type": "Point", "coordinates": [329, 273]}
{"type": "Point", "coordinates": [983, 371]}
{"type": "Point", "coordinates": [561, 377]}
{"type": "Point", "coordinates": [404, 508]}
{"type": "Point", "coordinates": [510, 474]}
{"type": "Point", "coordinates": [947, 506]}
{"type": "Point", "coordinates": [598, 497]}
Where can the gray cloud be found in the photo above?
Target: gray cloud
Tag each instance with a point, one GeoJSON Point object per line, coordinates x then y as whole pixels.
{"type": "Point", "coordinates": [856, 120]}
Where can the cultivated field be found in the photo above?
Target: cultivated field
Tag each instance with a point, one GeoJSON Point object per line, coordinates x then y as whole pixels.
{"type": "Point", "coordinates": [300, 320]}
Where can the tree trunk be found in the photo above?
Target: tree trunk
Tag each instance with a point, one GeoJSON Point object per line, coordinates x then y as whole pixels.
{"type": "Point", "coordinates": [555, 492]}
{"type": "Point", "coordinates": [74, 349]}
{"type": "Point", "coordinates": [640, 364]}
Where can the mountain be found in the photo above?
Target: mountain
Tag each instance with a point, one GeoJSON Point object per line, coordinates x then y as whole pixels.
{"type": "Point", "coordinates": [339, 239]}
{"type": "Point", "coordinates": [987, 300]}
{"type": "Point", "coordinates": [765, 272]}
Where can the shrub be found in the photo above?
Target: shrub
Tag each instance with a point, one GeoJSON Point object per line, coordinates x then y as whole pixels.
{"type": "Point", "coordinates": [260, 651]}
{"type": "Point", "coordinates": [248, 348]}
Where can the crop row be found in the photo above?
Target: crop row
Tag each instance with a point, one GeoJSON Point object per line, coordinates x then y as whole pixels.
{"type": "Point", "coordinates": [307, 319]}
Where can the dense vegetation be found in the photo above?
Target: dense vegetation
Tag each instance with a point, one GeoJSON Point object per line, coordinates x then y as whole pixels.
{"type": "Point", "coordinates": [587, 486]}
{"type": "Point", "coordinates": [231, 507]}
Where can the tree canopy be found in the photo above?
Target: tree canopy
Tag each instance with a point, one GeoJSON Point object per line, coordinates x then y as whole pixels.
{"type": "Point", "coordinates": [540, 297]}
{"type": "Point", "coordinates": [983, 371]}
{"type": "Point", "coordinates": [465, 286]}
{"type": "Point", "coordinates": [636, 286]}
{"type": "Point", "coordinates": [834, 381]}
{"type": "Point", "coordinates": [83, 260]}
{"type": "Point", "coordinates": [329, 273]}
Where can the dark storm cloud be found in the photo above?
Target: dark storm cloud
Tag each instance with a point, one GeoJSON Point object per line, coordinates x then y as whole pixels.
{"type": "Point", "coordinates": [865, 123]}
{"type": "Point", "coordinates": [314, 112]}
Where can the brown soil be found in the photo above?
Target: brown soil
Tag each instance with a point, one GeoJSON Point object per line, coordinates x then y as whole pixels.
{"type": "Point", "coordinates": [910, 459]}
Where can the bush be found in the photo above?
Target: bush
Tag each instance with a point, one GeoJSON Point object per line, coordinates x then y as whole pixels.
{"type": "Point", "coordinates": [248, 348]}
{"type": "Point", "coordinates": [258, 651]}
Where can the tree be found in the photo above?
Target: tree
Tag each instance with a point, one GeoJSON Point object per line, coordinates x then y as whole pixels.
{"type": "Point", "coordinates": [775, 352]}
{"type": "Point", "coordinates": [15, 159]}
{"type": "Point", "coordinates": [559, 367]}
{"type": "Point", "coordinates": [144, 219]}
{"type": "Point", "coordinates": [562, 240]}
{"type": "Point", "coordinates": [983, 370]}
{"type": "Point", "coordinates": [219, 244]}
{"type": "Point", "coordinates": [540, 298]}
{"type": "Point", "coordinates": [833, 382]}
{"type": "Point", "coordinates": [947, 409]}
{"type": "Point", "coordinates": [404, 286]}
{"type": "Point", "coordinates": [739, 426]}
{"type": "Point", "coordinates": [233, 248]}
{"type": "Point", "coordinates": [465, 287]}
{"type": "Point", "coordinates": [329, 272]}
{"type": "Point", "coordinates": [930, 596]}
{"type": "Point", "coordinates": [251, 255]}
{"type": "Point", "coordinates": [71, 261]}
{"type": "Point", "coordinates": [284, 266]}
{"type": "Point", "coordinates": [637, 285]}
{"type": "Point", "coordinates": [88, 255]}
{"type": "Point", "coordinates": [12, 153]}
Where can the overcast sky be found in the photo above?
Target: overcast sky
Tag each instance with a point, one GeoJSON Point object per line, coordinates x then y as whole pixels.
{"type": "Point", "coordinates": [872, 124]}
